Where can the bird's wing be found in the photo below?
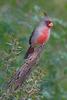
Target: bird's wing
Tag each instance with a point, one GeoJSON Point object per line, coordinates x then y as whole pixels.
{"type": "Point", "coordinates": [31, 36]}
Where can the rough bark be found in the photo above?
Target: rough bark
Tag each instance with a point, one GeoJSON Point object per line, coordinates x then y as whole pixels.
{"type": "Point", "coordinates": [22, 74]}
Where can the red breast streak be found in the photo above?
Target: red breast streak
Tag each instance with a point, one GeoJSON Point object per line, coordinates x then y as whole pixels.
{"type": "Point", "coordinates": [43, 37]}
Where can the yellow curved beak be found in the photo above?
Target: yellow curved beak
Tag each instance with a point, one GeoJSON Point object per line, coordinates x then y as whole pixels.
{"type": "Point", "coordinates": [51, 25]}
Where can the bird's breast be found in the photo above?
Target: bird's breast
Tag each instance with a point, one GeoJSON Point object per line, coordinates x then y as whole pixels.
{"type": "Point", "coordinates": [40, 36]}
{"type": "Point", "coordinates": [43, 36]}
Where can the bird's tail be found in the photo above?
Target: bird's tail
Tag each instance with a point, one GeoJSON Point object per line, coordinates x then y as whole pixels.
{"type": "Point", "coordinates": [29, 51]}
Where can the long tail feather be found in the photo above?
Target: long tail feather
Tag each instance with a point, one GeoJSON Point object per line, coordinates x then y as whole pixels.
{"type": "Point", "coordinates": [29, 51]}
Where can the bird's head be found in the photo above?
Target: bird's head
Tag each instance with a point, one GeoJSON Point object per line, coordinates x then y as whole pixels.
{"type": "Point", "coordinates": [49, 23]}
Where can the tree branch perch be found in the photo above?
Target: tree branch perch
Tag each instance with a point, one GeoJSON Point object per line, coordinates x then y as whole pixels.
{"type": "Point", "coordinates": [22, 74]}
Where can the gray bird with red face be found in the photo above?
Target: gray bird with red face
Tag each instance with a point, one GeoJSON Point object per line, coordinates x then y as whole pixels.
{"type": "Point", "coordinates": [40, 35]}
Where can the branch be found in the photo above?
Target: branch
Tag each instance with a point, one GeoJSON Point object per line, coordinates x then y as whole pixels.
{"type": "Point", "coordinates": [22, 74]}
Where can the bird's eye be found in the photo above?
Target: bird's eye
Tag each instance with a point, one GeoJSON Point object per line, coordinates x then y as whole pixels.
{"type": "Point", "coordinates": [49, 22]}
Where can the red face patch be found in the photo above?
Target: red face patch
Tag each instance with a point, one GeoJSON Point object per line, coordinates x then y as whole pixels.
{"type": "Point", "coordinates": [49, 23]}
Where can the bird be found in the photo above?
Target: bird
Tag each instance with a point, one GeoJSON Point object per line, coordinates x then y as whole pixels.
{"type": "Point", "coordinates": [40, 35]}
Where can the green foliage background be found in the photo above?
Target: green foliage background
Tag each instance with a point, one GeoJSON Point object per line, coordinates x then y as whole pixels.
{"type": "Point", "coordinates": [17, 20]}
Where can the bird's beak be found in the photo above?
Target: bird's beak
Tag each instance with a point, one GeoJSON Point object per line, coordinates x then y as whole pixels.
{"type": "Point", "coordinates": [51, 25]}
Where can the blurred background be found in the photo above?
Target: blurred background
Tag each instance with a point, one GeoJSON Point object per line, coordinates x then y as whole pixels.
{"type": "Point", "coordinates": [48, 81]}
